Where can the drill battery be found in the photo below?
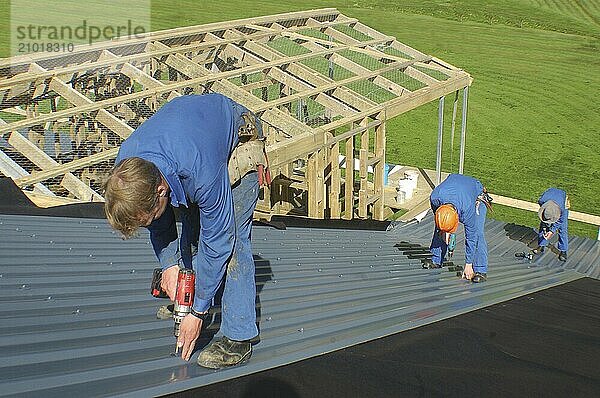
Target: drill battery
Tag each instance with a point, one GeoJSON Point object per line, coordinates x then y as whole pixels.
{"type": "Point", "coordinates": [155, 288]}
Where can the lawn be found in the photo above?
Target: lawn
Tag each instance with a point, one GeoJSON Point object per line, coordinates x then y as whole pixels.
{"type": "Point", "coordinates": [534, 114]}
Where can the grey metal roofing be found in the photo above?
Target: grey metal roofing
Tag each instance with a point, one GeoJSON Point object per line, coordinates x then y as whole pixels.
{"type": "Point", "coordinates": [77, 318]}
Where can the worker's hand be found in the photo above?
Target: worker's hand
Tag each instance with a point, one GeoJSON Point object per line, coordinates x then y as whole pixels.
{"type": "Point", "coordinates": [468, 272]}
{"type": "Point", "coordinates": [189, 331]}
{"type": "Point", "coordinates": [548, 235]}
{"type": "Point", "coordinates": [168, 282]}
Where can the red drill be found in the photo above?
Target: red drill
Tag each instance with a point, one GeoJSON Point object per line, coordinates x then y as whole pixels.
{"type": "Point", "coordinates": [184, 294]}
{"type": "Point", "coordinates": [184, 297]}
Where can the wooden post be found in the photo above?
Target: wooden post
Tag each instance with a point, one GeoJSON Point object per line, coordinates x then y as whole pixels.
{"type": "Point", "coordinates": [379, 171]}
{"type": "Point", "coordinates": [363, 173]}
{"type": "Point", "coordinates": [334, 193]}
{"type": "Point", "coordinates": [349, 180]}
{"type": "Point", "coordinates": [311, 182]}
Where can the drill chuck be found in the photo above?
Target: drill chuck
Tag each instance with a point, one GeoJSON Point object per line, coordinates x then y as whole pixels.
{"type": "Point", "coordinates": [184, 297]}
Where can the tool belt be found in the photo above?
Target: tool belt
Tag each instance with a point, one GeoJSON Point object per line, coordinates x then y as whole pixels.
{"type": "Point", "coordinates": [250, 153]}
{"type": "Point", "coordinates": [485, 198]}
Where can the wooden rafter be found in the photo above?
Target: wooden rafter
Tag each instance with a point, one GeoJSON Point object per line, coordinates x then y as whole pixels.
{"type": "Point", "coordinates": [282, 67]}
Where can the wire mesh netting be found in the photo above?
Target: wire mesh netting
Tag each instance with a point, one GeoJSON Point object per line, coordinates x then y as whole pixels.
{"type": "Point", "coordinates": [63, 117]}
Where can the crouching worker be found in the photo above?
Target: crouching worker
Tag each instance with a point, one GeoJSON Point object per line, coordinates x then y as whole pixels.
{"type": "Point", "coordinates": [554, 215]}
{"type": "Point", "coordinates": [463, 199]}
{"type": "Point", "coordinates": [179, 158]}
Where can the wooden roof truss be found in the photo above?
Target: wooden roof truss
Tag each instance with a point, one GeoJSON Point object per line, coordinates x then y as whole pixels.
{"type": "Point", "coordinates": [323, 85]}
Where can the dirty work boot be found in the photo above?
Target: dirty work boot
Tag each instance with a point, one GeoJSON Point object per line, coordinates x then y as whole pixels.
{"type": "Point", "coordinates": [562, 256]}
{"type": "Point", "coordinates": [479, 277]}
{"type": "Point", "coordinates": [429, 264]}
{"type": "Point", "coordinates": [225, 352]}
{"type": "Point", "coordinates": [165, 311]}
{"type": "Point", "coordinates": [539, 250]}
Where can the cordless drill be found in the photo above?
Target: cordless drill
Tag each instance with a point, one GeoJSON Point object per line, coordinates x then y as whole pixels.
{"type": "Point", "coordinates": [184, 294]}
{"type": "Point", "coordinates": [451, 245]}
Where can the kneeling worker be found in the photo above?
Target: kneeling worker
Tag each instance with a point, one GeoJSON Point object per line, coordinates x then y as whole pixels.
{"type": "Point", "coordinates": [179, 158]}
{"type": "Point", "coordinates": [554, 216]}
{"type": "Point", "coordinates": [463, 199]}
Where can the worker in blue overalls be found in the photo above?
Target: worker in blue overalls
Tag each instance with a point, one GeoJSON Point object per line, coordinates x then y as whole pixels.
{"type": "Point", "coordinates": [182, 157]}
{"type": "Point", "coordinates": [463, 199]}
{"type": "Point", "coordinates": [554, 217]}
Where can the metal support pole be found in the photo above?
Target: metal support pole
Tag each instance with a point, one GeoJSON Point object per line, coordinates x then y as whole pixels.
{"type": "Point", "coordinates": [438, 163]}
{"type": "Point", "coordinates": [463, 131]}
{"type": "Point", "coordinates": [453, 129]}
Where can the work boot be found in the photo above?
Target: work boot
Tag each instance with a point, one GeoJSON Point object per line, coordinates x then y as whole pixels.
{"type": "Point", "coordinates": [479, 277]}
{"type": "Point", "coordinates": [225, 352]}
{"type": "Point", "coordinates": [562, 256]}
{"type": "Point", "coordinates": [429, 264]}
{"type": "Point", "coordinates": [165, 311]}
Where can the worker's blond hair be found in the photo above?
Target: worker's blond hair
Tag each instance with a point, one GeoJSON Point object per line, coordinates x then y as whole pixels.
{"type": "Point", "coordinates": [130, 192]}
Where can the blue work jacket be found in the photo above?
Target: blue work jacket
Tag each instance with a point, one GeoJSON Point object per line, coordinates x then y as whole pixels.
{"type": "Point", "coordinates": [461, 192]}
{"type": "Point", "coordinates": [559, 197]}
{"type": "Point", "coordinates": [190, 140]}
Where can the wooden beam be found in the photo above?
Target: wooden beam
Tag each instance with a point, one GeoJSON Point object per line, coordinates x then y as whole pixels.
{"type": "Point", "coordinates": [60, 169]}
{"type": "Point", "coordinates": [176, 33]}
{"type": "Point", "coordinates": [43, 161]}
{"type": "Point", "coordinates": [524, 205]}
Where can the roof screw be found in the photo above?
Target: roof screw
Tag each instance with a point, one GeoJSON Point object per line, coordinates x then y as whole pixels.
{"type": "Point", "coordinates": [51, 242]}
{"type": "Point", "coordinates": [371, 266]}
{"type": "Point", "coordinates": [274, 280]}
{"type": "Point", "coordinates": [133, 271]}
{"type": "Point", "coordinates": [110, 263]}
{"type": "Point", "coordinates": [33, 235]}
{"type": "Point", "coordinates": [48, 298]}
{"type": "Point", "coordinates": [320, 270]}
{"type": "Point", "coordinates": [333, 257]}
{"type": "Point", "coordinates": [299, 264]}
{"type": "Point", "coordinates": [341, 275]}
{"type": "Point", "coordinates": [281, 244]}
{"type": "Point", "coordinates": [91, 255]}
{"type": "Point", "coordinates": [77, 311]}
{"type": "Point", "coordinates": [278, 258]}
{"type": "Point", "coordinates": [301, 330]}
{"type": "Point", "coordinates": [24, 287]}
{"type": "Point", "coordinates": [1, 276]}
{"type": "Point", "coordinates": [269, 318]}
{"type": "Point", "coordinates": [17, 229]}
{"type": "Point", "coordinates": [376, 255]}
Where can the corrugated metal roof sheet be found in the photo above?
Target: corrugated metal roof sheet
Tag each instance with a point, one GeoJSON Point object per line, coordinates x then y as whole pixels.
{"type": "Point", "coordinates": [78, 319]}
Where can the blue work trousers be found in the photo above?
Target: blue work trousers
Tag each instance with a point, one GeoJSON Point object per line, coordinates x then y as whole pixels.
{"type": "Point", "coordinates": [239, 294]}
{"type": "Point", "coordinates": [563, 236]}
{"type": "Point", "coordinates": [480, 261]}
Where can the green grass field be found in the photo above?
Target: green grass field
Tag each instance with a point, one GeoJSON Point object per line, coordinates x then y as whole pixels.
{"type": "Point", "coordinates": [534, 109]}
